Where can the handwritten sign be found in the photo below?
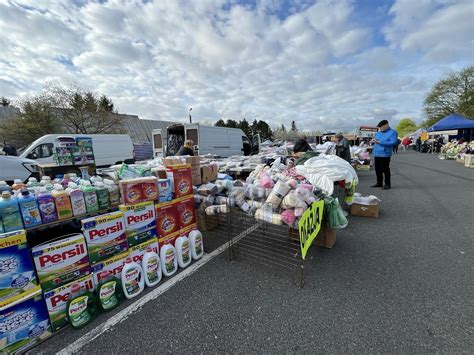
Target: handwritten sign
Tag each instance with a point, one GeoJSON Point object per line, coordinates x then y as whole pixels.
{"type": "Point", "coordinates": [309, 225]}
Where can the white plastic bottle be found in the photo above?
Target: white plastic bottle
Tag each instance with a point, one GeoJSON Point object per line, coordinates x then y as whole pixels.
{"type": "Point", "coordinates": [169, 262]}
{"type": "Point", "coordinates": [196, 244]}
{"type": "Point", "coordinates": [133, 281]}
{"type": "Point", "coordinates": [182, 251]}
{"type": "Point", "coordinates": [114, 192]}
{"type": "Point", "coordinates": [151, 267]}
{"type": "Point", "coordinates": [77, 199]}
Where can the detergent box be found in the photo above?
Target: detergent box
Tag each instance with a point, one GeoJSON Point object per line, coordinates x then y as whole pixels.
{"type": "Point", "coordinates": [165, 190]}
{"type": "Point", "coordinates": [56, 301]}
{"type": "Point", "coordinates": [181, 179]}
{"type": "Point", "coordinates": [105, 236]}
{"type": "Point", "coordinates": [17, 274]}
{"type": "Point", "coordinates": [114, 264]}
{"type": "Point", "coordinates": [140, 222]}
{"type": "Point", "coordinates": [24, 323]}
{"type": "Point", "coordinates": [61, 261]}
{"type": "Point", "coordinates": [167, 223]}
{"type": "Point", "coordinates": [138, 251]}
{"type": "Point", "coordinates": [186, 210]}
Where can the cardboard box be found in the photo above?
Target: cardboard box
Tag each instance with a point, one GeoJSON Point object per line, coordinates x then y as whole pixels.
{"type": "Point", "coordinates": [139, 190]}
{"type": "Point", "coordinates": [208, 173]}
{"type": "Point", "coordinates": [16, 266]}
{"type": "Point", "coordinates": [113, 264]}
{"type": "Point", "coordinates": [140, 222]}
{"type": "Point", "coordinates": [24, 323]}
{"type": "Point", "coordinates": [326, 238]}
{"type": "Point", "coordinates": [56, 301]}
{"type": "Point", "coordinates": [138, 251]}
{"type": "Point", "coordinates": [365, 210]}
{"type": "Point", "coordinates": [61, 261]}
{"type": "Point", "coordinates": [186, 209]}
{"type": "Point", "coordinates": [181, 179]}
{"type": "Point", "coordinates": [105, 236]}
{"type": "Point", "coordinates": [169, 239]}
{"type": "Point", "coordinates": [165, 190]}
{"type": "Point", "coordinates": [167, 222]}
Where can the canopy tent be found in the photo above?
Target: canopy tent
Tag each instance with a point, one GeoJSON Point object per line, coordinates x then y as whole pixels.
{"type": "Point", "coordinates": [451, 122]}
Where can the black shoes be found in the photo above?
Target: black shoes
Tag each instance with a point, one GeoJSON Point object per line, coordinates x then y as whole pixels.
{"type": "Point", "coordinates": [386, 187]}
{"type": "Point", "coordinates": [376, 185]}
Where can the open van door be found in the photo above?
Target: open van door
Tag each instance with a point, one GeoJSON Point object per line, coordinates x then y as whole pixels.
{"type": "Point", "coordinates": [157, 143]}
{"type": "Point", "coordinates": [256, 144]}
{"type": "Point", "coordinates": [192, 132]}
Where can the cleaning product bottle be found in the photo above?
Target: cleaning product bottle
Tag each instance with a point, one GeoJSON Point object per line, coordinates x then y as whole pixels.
{"type": "Point", "coordinates": [151, 267]}
{"type": "Point", "coordinates": [4, 187]}
{"type": "Point", "coordinates": [62, 201]}
{"type": "Point", "coordinates": [18, 185]}
{"type": "Point", "coordinates": [102, 195]}
{"type": "Point", "coordinates": [46, 206]}
{"type": "Point", "coordinates": [95, 179]}
{"type": "Point", "coordinates": [109, 291]}
{"type": "Point", "coordinates": [114, 192]}
{"type": "Point", "coordinates": [65, 181]}
{"type": "Point", "coordinates": [77, 199]}
{"type": "Point", "coordinates": [81, 308]}
{"type": "Point", "coordinates": [182, 251]}
{"type": "Point", "coordinates": [45, 180]}
{"type": "Point", "coordinates": [133, 281]}
{"type": "Point", "coordinates": [196, 244]}
{"type": "Point", "coordinates": [32, 182]}
{"type": "Point", "coordinates": [169, 263]}
{"type": "Point", "coordinates": [49, 187]}
{"type": "Point", "coordinates": [10, 213]}
{"type": "Point", "coordinates": [90, 196]}
{"type": "Point", "coordinates": [29, 209]}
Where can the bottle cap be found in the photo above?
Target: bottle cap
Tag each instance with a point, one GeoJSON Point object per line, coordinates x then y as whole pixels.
{"type": "Point", "coordinates": [25, 192]}
{"type": "Point", "coordinates": [6, 194]}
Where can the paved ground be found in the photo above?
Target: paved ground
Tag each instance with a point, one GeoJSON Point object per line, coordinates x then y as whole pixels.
{"type": "Point", "coordinates": [400, 283]}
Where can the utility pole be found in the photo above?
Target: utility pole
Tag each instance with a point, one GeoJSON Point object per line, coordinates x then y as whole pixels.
{"type": "Point", "coordinates": [190, 119]}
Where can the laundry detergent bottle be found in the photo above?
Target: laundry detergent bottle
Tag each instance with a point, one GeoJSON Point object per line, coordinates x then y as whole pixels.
{"type": "Point", "coordinates": [62, 202]}
{"type": "Point", "coordinates": [183, 252]}
{"type": "Point", "coordinates": [81, 307]}
{"type": "Point", "coordinates": [109, 291]}
{"type": "Point", "coordinates": [29, 209]}
{"type": "Point", "coordinates": [102, 195]}
{"type": "Point", "coordinates": [10, 215]}
{"type": "Point", "coordinates": [196, 244]}
{"type": "Point", "coordinates": [4, 187]}
{"type": "Point", "coordinates": [77, 199]}
{"type": "Point", "coordinates": [18, 184]}
{"type": "Point", "coordinates": [90, 196]}
{"type": "Point", "coordinates": [169, 262]}
{"type": "Point", "coordinates": [133, 281]}
{"type": "Point", "coordinates": [47, 206]}
{"type": "Point", "coordinates": [114, 192]}
{"type": "Point", "coordinates": [151, 267]}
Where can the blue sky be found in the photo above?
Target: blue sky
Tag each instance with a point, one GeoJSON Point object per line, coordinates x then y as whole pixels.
{"type": "Point", "coordinates": [326, 64]}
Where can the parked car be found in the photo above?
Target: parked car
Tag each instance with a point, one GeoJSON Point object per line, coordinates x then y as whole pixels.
{"type": "Point", "coordinates": [12, 168]}
{"type": "Point", "coordinates": [109, 149]}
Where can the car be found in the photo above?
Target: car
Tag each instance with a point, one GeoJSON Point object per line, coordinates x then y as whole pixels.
{"type": "Point", "coordinates": [12, 168]}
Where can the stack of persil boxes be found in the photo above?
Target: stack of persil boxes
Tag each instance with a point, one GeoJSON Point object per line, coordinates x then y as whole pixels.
{"type": "Point", "coordinates": [59, 264]}
{"type": "Point", "coordinates": [177, 217]}
{"type": "Point", "coordinates": [23, 315]}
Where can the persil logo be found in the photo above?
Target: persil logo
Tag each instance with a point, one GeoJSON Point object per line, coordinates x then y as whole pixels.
{"type": "Point", "coordinates": [53, 259]}
{"type": "Point", "coordinates": [140, 218]}
{"type": "Point", "coordinates": [62, 298]}
{"type": "Point", "coordinates": [100, 233]}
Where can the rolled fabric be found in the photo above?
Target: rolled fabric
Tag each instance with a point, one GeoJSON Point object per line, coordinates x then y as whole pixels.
{"type": "Point", "coordinates": [265, 180]}
{"type": "Point", "coordinates": [208, 189]}
{"type": "Point", "coordinates": [255, 204]}
{"type": "Point", "coordinates": [288, 217]}
{"type": "Point", "coordinates": [254, 192]}
{"type": "Point", "coordinates": [205, 200]}
{"type": "Point", "coordinates": [217, 209]}
{"type": "Point", "coordinates": [268, 216]}
{"type": "Point", "coordinates": [280, 190]}
{"type": "Point", "coordinates": [224, 184]}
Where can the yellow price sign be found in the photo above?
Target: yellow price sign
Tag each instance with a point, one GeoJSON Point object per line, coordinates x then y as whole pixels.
{"type": "Point", "coordinates": [309, 225]}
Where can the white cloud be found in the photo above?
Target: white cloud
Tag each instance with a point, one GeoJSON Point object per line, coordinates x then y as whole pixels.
{"type": "Point", "coordinates": [157, 59]}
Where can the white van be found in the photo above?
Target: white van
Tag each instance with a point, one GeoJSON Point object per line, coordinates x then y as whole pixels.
{"type": "Point", "coordinates": [12, 168]}
{"type": "Point", "coordinates": [221, 141]}
{"type": "Point", "coordinates": [109, 149]}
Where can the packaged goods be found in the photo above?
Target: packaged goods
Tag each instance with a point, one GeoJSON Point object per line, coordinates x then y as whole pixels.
{"type": "Point", "coordinates": [29, 209]}
{"type": "Point", "coordinates": [131, 191]}
{"type": "Point", "coordinates": [105, 235]}
{"type": "Point", "coordinates": [196, 244]}
{"type": "Point", "coordinates": [181, 178]}
{"type": "Point", "coordinates": [114, 192]}
{"type": "Point", "coordinates": [10, 215]}
{"type": "Point", "coordinates": [169, 262]}
{"type": "Point", "coordinates": [149, 187]}
{"type": "Point", "coordinates": [167, 222]}
{"type": "Point", "coordinates": [47, 206]}
{"type": "Point", "coordinates": [133, 281]}
{"type": "Point", "coordinates": [57, 299]}
{"type": "Point", "coordinates": [114, 265]}
{"type": "Point", "coordinates": [17, 274]}
{"type": "Point", "coordinates": [109, 291]}
{"type": "Point", "coordinates": [140, 222]}
{"type": "Point", "coordinates": [62, 202]}
{"type": "Point", "coordinates": [77, 199]}
{"type": "Point", "coordinates": [102, 195]}
{"type": "Point", "coordinates": [81, 306]}
{"type": "Point", "coordinates": [61, 261]}
{"type": "Point", "coordinates": [186, 210]}
{"type": "Point", "coordinates": [90, 196]}
{"type": "Point", "coordinates": [151, 267]}
{"type": "Point", "coordinates": [165, 190]}
{"type": "Point", "coordinates": [138, 251]}
{"type": "Point", "coordinates": [183, 253]}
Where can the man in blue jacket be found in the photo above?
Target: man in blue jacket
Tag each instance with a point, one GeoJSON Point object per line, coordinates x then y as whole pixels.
{"type": "Point", "coordinates": [384, 141]}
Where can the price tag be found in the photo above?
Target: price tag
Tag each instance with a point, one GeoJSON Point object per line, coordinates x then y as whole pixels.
{"type": "Point", "coordinates": [309, 225]}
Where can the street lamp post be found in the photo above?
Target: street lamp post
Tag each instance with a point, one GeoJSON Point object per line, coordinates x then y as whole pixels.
{"type": "Point", "coordinates": [190, 119]}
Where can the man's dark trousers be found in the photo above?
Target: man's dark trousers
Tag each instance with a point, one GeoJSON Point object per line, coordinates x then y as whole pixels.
{"type": "Point", "coordinates": [382, 167]}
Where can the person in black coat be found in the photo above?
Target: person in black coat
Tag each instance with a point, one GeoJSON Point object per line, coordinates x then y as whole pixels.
{"type": "Point", "coordinates": [186, 149]}
{"type": "Point", "coordinates": [302, 145]}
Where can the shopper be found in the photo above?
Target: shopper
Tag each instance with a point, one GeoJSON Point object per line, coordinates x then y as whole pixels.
{"type": "Point", "coordinates": [343, 148]}
{"type": "Point", "coordinates": [302, 145]}
{"type": "Point", "coordinates": [418, 144]}
{"type": "Point", "coordinates": [384, 141]}
{"type": "Point", "coordinates": [395, 146]}
{"type": "Point", "coordinates": [405, 143]}
{"type": "Point", "coordinates": [186, 149]}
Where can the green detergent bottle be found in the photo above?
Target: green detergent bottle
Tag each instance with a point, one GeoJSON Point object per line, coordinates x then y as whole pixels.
{"type": "Point", "coordinates": [109, 291]}
{"type": "Point", "coordinates": [81, 307]}
{"type": "Point", "coordinates": [90, 196]}
{"type": "Point", "coordinates": [102, 195]}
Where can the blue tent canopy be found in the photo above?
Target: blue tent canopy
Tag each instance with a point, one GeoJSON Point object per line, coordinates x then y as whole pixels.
{"type": "Point", "coordinates": [452, 122]}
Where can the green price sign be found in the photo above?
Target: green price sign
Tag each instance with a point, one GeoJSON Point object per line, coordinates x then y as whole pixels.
{"type": "Point", "coordinates": [309, 225]}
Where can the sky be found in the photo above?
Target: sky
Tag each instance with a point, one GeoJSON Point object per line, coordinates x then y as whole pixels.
{"type": "Point", "coordinates": [328, 65]}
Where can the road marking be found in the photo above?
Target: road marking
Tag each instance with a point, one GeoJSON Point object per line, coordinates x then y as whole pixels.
{"type": "Point", "coordinates": [126, 312]}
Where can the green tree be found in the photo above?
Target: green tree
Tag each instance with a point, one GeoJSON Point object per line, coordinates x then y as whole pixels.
{"type": "Point", "coordinates": [220, 123]}
{"type": "Point", "coordinates": [262, 128]}
{"type": "Point", "coordinates": [405, 126]}
{"type": "Point", "coordinates": [4, 101]}
{"type": "Point", "coordinates": [245, 127]}
{"type": "Point", "coordinates": [232, 124]}
{"type": "Point", "coordinates": [35, 120]}
{"type": "Point", "coordinates": [453, 94]}
{"type": "Point", "coordinates": [293, 126]}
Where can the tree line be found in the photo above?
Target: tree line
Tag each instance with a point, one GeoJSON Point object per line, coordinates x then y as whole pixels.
{"type": "Point", "coordinates": [257, 127]}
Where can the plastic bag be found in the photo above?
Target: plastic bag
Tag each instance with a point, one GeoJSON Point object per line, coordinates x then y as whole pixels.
{"type": "Point", "coordinates": [333, 214]}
